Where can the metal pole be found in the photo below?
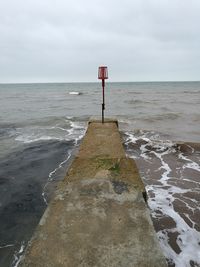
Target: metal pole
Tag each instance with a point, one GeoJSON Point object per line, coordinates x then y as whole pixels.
{"type": "Point", "coordinates": [103, 105]}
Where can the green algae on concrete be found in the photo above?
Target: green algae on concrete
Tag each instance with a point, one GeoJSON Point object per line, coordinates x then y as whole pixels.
{"type": "Point", "coordinates": [98, 216]}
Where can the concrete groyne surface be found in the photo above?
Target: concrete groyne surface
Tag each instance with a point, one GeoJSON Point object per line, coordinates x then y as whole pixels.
{"type": "Point", "coordinates": [98, 215]}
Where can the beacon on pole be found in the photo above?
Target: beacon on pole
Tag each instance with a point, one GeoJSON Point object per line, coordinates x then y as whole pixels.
{"type": "Point", "coordinates": [103, 75]}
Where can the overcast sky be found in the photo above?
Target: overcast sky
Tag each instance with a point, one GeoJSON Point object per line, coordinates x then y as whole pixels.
{"type": "Point", "coordinates": [66, 40]}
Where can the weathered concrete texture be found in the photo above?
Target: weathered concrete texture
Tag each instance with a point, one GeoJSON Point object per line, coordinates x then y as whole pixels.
{"type": "Point", "coordinates": [98, 216]}
{"type": "Point", "coordinates": [101, 140]}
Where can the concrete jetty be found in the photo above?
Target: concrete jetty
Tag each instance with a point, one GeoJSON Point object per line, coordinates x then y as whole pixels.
{"type": "Point", "coordinates": [98, 215]}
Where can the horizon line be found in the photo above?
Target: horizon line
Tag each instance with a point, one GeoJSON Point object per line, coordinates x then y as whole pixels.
{"type": "Point", "coordinates": [56, 82]}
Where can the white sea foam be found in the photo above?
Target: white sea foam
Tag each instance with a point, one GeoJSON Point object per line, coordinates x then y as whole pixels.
{"type": "Point", "coordinates": [60, 128]}
{"type": "Point", "coordinates": [31, 138]}
{"type": "Point", "coordinates": [73, 131]}
{"type": "Point", "coordinates": [50, 178]}
{"type": "Point", "coordinates": [76, 131]}
{"type": "Point", "coordinates": [6, 246]}
{"type": "Point", "coordinates": [18, 255]}
{"type": "Point", "coordinates": [131, 138]}
{"type": "Point", "coordinates": [191, 164]}
{"type": "Point", "coordinates": [161, 204]}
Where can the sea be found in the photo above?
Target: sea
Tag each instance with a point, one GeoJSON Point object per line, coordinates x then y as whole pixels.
{"type": "Point", "coordinates": [42, 125]}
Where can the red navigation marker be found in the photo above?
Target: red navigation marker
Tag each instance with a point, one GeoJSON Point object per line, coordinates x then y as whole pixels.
{"type": "Point", "coordinates": [103, 75]}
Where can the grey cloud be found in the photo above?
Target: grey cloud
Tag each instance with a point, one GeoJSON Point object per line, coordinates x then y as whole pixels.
{"type": "Point", "coordinates": [66, 40]}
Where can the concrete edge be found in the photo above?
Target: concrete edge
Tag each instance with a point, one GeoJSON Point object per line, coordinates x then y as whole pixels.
{"type": "Point", "coordinates": [106, 120]}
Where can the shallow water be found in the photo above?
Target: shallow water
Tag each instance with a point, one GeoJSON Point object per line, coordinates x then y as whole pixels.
{"type": "Point", "coordinates": [42, 124]}
{"type": "Point", "coordinates": [171, 173]}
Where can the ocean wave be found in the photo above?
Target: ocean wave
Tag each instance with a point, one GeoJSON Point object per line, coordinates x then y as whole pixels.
{"type": "Point", "coordinates": [27, 139]}
{"type": "Point", "coordinates": [67, 130]}
{"type": "Point", "coordinates": [163, 116]}
{"type": "Point", "coordinates": [196, 118]}
{"type": "Point", "coordinates": [191, 92]}
{"type": "Point", "coordinates": [135, 93]}
{"type": "Point", "coordinates": [137, 102]}
{"type": "Point", "coordinates": [7, 130]}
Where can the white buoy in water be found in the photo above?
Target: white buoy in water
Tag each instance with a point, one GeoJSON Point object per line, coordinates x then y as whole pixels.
{"type": "Point", "coordinates": [74, 93]}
